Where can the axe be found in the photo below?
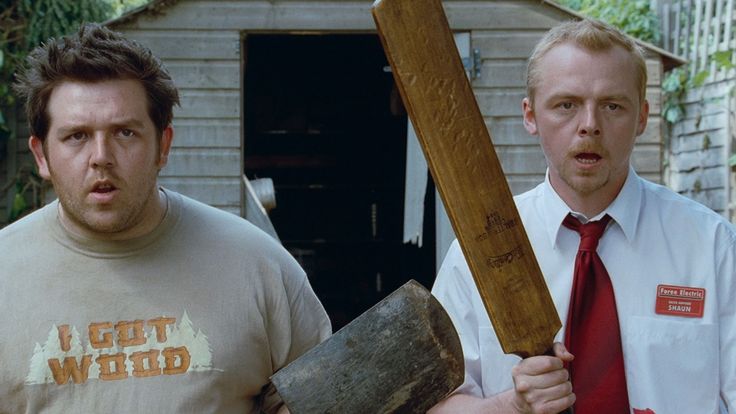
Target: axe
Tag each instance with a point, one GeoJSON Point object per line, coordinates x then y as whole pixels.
{"type": "Point", "coordinates": [401, 356]}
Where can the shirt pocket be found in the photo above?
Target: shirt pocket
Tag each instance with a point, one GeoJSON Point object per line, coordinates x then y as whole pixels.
{"type": "Point", "coordinates": [495, 365]}
{"type": "Point", "coordinates": [671, 365]}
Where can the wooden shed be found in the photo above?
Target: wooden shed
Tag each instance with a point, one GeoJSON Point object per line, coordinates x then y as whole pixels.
{"type": "Point", "coordinates": [300, 91]}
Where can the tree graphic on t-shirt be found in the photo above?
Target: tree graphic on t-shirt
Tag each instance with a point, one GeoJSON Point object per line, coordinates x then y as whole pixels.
{"type": "Point", "coordinates": [62, 358]}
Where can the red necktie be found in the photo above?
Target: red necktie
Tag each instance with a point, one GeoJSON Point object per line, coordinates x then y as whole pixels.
{"type": "Point", "coordinates": [592, 334]}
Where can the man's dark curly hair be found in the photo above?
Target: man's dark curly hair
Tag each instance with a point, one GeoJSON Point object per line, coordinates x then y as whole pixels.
{"type": "Point", "coordinates": [94, 54]}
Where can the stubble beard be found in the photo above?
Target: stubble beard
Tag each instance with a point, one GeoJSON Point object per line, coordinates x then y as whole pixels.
{"type": "Point", "coordinates": [124, 214]}
{"type": "Point", "coordinates": [584, 183]}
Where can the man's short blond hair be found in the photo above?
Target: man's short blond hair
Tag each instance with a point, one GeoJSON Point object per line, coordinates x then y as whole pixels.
{"type": "Point", "coordinates": [592, 35]}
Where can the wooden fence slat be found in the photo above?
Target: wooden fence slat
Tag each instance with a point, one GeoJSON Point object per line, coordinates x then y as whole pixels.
{"type": "Point", "coordinates": [688, 30]}
{"type": "Point", "coordinates": [716, 39]}
{"type": "Point", "coordinates": [675, 45]}
{"type": "Point", "coordinates": [706, 33]}
{"type": "Point", "coordinates": [666, 40]}
{"type": "Point", "coordinates": [696, 36]}
{"type": "Point", "coordinates": [727, 31]}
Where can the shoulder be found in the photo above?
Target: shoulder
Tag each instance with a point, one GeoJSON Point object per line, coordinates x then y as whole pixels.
{"type": "Point", "coordinates": [207, 220]}
{"type": "Point", "coordinates": [530, 205]}
{"type": "Point", "coordinates": [27, 228]}
{"type": "Point", "coordinates": [674, 210]}
{"type": "Point", "coordinates": [530, 196]}
{"type": "Point", "coordinates": [231, 238]}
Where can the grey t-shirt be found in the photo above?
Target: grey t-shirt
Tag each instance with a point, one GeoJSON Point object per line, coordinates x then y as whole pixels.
{"type": "Point", "coordinates": [191, 318]}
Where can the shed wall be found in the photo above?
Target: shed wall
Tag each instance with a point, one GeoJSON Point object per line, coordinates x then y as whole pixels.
{"type": "Point", "coordinates": [199, 41]}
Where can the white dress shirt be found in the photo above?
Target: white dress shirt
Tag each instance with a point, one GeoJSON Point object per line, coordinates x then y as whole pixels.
{"type": "Point", "coordinates": [674, 364]}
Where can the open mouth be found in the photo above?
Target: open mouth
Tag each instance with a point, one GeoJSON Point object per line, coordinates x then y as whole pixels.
{"type": "Point", "coordinates": [103, 188]}
{"type": "Point", "coordinates": [588, 158]}
{"type": "Point", "coordinates": [103, 192]}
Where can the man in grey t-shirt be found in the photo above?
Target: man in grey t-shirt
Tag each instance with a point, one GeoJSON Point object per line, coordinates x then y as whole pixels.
{"type": "Point", "coordinates": [122, 296]}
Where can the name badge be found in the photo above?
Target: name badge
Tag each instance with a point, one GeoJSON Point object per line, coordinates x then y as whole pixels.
{"type": "Point", "coordinates": [680, 301]}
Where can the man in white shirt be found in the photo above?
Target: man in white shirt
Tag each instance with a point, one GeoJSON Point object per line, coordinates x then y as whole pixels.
{"type": "Point", "coordinates": [670, 260]}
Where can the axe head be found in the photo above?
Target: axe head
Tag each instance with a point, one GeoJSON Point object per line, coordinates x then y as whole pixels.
{"type": "Point", "coordinates": [401, 356]}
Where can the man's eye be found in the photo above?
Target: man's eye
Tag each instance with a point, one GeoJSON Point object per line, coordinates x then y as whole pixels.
{"type": "Point", "coordinates": [612, 106]}
{"type": "Point", "coordinates": [78, 136]}
{"type": "Point", "coordinates": [566, 105]}
{"type": "Point", "coordinates": [127, 133]}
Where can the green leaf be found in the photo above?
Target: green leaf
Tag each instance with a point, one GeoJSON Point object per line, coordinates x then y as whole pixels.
{"type": "Point", "coordinates": [732, 161]}
{"type": "Point", "coordinates": [723, 59]}
{"type": "Point", "coordinates": [672, 114]}
{"type": "Point", "coordinates": [672, 82]}
{"type": "Point", "coordinates": [700, 78]}
{"type": "Point", "coordinates": [19, 206]}
{"type": "Point", "coordinates": [2, 58]}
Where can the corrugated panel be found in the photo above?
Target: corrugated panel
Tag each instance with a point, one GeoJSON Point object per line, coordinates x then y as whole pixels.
{"type": "Point", "coordinates": [194, 74]}
{"type": "Point", "coordinates": [653, 133]}
{"type": "Point", "coordinates": [509, 130]}
{"type": "Point", "coordinates": [703, 123]}
{"type": "Point", "coordinates": [502, 74]}
{"type": "Point", "coordinates": [687, 162]}
{"type": "Point", "coordinates": [214, 103]}
{"type": "Point", "coordinates": [647, 159]}
{"type": "Point", "coordinates": [223, 191]}
{"type": "Point", "coordinates": [654, 72]}
{"type": "Point", "coordinates": [522, 183]}
{"type": "Point", "coordinates": [186, 44]}
{"type": "Point", "coordinates": [264, 15]}
{"type": "Point", "coordinates": [186, 162]}
{"type": "Point", "coordinates": [699, 141]}
{"type": "Point", "coordinates": [505, 44]}
{"type": "Point", "coordinates": [705, 179]}
{"type": "Point", "coordinates": [515, 15]}
{"type": "Point", "coordinates": [212, 133]}
{"type": "Point", "coordinates": [522, 160]}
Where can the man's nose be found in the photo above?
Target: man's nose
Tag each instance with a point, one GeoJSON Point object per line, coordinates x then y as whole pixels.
{"type": "Point", "coordinates": [102, 155]}
{"type": "Point", "coordinates": [589, 123]}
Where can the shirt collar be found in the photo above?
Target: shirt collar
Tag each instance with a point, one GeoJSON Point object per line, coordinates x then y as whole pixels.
{"type": "Point", "coordinates": [624, 210]}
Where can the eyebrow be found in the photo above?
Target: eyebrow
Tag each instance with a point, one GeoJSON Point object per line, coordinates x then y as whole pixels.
{"type": "Point", "coordinates": [567, 96]}
{"type": "Point", "coordinates": [616, 98]}
{"type": "Point", "coordinates": [124, 123]}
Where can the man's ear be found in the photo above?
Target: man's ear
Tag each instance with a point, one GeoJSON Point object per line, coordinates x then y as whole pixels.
{"type": "Point", "coordinates": [643, 117]}
{"type": "Point", "coordinates": [167, 137]}
{"type": "Point", "coordinates": [36, 146]}
{"type": "Point", "coordinates": [530, 123]}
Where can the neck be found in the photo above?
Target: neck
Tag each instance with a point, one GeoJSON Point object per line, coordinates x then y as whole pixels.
{"type": "Point", "coordinates": [590, 203]}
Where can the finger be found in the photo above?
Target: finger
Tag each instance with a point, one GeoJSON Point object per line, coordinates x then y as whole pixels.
{"type": "Point", "coordinates": [546, 400]}
{"type": "Point", "coordinates": [545, 381]}
{"type": "Point", "coordinates": [554, 406]}
{"type": "Point", "coordinates": [560, 351]}
{"type": "Point", "coordinates": [537, 365]}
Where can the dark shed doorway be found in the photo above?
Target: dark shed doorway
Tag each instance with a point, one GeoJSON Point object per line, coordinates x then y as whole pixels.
{"type": "Point", "coordinates": [324, 121]}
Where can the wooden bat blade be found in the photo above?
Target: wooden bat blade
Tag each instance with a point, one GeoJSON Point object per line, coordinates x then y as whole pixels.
{"type": "Point", "coordinates": [427, 68]}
